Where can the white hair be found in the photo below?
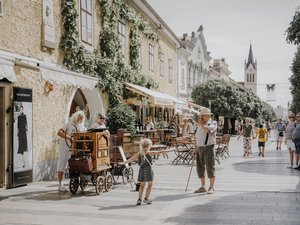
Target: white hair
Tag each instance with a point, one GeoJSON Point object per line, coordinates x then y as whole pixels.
{"type": "Point", "coordinates": [77, 114]}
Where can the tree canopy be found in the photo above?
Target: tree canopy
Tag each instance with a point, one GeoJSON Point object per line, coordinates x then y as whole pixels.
{"type": "Point", "coordinates": [293, 31]}
{"type": "Point", "coordinates": [231, 100]}
{"type": "Point", "coordinates": [293, 37]}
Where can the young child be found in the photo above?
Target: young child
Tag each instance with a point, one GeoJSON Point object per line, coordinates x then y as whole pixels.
{"type": "Point", "coordinates": [146, 175]}
{"type": "Point", "coordinates": [262, 134]}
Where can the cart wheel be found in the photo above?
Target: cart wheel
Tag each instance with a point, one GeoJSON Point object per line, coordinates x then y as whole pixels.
{"type": "Point", "coordinates": [108, 182]}
{"type": "Point", "coordinates": [127, 175]}
{"type": "Point", "coordinates": [73, 184]}
{"type": "Point", "coordinates": [114, 173]}
{"type": "Point", "coordinates": [99, 185]}
{"type": "Point", "coordinates": [83, 183]}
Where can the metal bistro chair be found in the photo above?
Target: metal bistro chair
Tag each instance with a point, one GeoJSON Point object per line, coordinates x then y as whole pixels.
{"type": "Point", "coordinates": [183, 150]}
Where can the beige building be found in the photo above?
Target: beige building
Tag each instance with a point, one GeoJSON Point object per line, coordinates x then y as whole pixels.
{"type": "Point", "coordinates": [219, 70]}
{"type": "Point", "coordinates": [30, 58]}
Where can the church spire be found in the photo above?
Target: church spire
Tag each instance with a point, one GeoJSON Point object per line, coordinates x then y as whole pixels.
{"type": "Point", "coordinates": [250, 57]}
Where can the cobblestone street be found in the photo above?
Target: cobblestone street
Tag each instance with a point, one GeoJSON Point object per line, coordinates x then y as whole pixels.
{"type": "Point", "coordinates": [256, 191]}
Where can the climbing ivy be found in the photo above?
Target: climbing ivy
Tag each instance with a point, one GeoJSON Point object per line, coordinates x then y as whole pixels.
{"type": "Point", "coordinates": [107, 62]}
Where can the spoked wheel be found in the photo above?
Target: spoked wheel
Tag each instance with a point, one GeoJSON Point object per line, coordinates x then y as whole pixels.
{"type": "Point", "coordinates": [100, 185]}
{"type": "Point", "coordinates": [127, 175]}
{"type": "Point", "coordinates": [108, 182]}
{"type": "Point", "coordinates": [115, 174]}
{"type": "Point", "coordinates": [74, 184]}
{"type": "Point", "coordinates": [83, 183]}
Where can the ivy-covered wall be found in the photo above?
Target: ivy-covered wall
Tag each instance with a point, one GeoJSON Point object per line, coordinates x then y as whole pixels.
{"type": "Point", "coordinates": [106, 61]}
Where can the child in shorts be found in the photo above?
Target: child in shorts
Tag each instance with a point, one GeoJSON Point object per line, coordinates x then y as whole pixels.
{"type": "Point", "coordinates": [262, 134]}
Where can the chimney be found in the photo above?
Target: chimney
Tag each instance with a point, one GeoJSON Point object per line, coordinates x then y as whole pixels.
{"type": "Point", "coordinates": [193, 34]}
{"type": "Point", "coordinates": [184, 36]}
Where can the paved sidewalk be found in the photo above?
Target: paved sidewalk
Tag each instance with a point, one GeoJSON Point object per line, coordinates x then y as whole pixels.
{"type": "Point", "coordinates": [254, 191]}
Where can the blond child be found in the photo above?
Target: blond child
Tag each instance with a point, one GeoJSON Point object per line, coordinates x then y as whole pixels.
{"type": "Point", "coordinates": [146, 175]}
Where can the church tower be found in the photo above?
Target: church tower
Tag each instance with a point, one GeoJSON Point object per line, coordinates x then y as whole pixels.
{"type": "Point", "coordinates": [250, 72]}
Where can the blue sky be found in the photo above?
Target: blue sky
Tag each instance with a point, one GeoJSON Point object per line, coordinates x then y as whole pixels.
{"type": "Point", "coordinates": [230, 25]}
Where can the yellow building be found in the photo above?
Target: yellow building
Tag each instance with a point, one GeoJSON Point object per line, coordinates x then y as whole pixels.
{"type": "Point", "coordinates": [41, 55]}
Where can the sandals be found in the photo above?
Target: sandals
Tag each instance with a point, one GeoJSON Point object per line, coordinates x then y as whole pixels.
{"type": "Point", "coordinates": [147, 201]}
{"type": "Point", "coordinates": [139, 202]}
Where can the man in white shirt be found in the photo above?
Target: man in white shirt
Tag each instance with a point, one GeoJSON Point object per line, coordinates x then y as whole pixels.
{"type": "Point", "coordinates": [204, 150]}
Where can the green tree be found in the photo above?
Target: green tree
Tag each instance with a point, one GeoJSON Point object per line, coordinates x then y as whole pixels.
{"type": "Point", "coordinates": [230, 100]}
{"type": "Point", "coordinates": [120, 116]}
{"type": "Point", "coordinates": [293, 37]}
{"type": "Point", "coordinates": [295, 82]}
{"type": "Point", "coordinates": [293, 31]}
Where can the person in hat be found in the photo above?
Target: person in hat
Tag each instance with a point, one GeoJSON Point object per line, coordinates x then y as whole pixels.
{"type": "Point", "coordinates": [296, 137]}
{"type": "Point", "coordinates": [204, 149]}
{"type": "Point", "coordinates": [290, 127]}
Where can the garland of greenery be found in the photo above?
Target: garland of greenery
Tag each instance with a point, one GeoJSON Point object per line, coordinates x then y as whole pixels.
{"type": "Point", "coordinates": [107, 63]}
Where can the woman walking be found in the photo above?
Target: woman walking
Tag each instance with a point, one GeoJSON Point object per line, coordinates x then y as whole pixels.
{"type": "Point", "coordinates": [247, 133]}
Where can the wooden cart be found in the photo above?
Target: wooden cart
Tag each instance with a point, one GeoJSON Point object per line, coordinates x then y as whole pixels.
{"type": "Point", "coordinates": [90, 162]}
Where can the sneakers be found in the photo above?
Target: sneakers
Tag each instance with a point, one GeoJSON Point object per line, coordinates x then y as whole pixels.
{"type": "Point", "coordinates": [139, 202]}
{"type": "Point", "coordinates": [147, 201]}
{"type": "Point", "coordinates": [200, 190]}
{"type": "Point", "coordinates": [297, 168]}
{"type": "Point", "coordinates": [259, 154]}
{"type": "Point", "coordinates": [62, 188]}
{"type": "Point", "coordinates": [210, 191]}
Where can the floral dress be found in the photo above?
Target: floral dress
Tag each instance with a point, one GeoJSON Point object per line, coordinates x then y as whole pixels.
{"type": "Point", "coordinates": [145, 172]}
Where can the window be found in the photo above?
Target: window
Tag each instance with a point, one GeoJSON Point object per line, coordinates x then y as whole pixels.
{"type": "Point", "coordinates": [182, 87]}
{"type": "Point", "coordinates": [171, 72]}
{"type": "Point", "coordinates": [161, 64]}
{"type": "Point", "coordinates": [1, 8]}
{"type": "Point", "coordinates": [151, 57]}
{"type": "Point", "coordinates": [87, 21]}
{"type": "Point", "coordinates": [122, 36]}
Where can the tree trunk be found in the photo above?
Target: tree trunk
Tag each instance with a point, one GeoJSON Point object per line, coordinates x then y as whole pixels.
{"type": "Point", "coordinates": [225, 128]}
{"type": "Point", "coordinates": [232, 121]}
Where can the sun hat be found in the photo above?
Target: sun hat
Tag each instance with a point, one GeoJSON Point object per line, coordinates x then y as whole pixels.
{"type": "Point", "coordinates": [205, 111]}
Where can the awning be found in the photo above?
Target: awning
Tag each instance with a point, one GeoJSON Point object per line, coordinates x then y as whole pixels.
{"type": "Point", "coordinates": [7, 70]}
{"type": "Point", "coordinates": [156, 97]}
{"type": "Point", "coordinates": [66, 77]}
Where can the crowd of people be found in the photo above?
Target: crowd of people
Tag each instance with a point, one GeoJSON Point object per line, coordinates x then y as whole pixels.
{"type": "Point", "coordinates": [204, 132]}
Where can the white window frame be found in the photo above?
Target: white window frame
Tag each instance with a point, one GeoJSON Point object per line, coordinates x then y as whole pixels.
{"type": "Point", "coordinates": [1, 8]}
{"type": "Point", "coordinates": [151, 57]}
{"type": "Point", "coordinates": [86, 14]}
{"type": "Point", "coordinates": [161, 64]}
{"type": "Point", "coordinates": [122, 36]}
{"type": "Point", "coordinates": [170, 64]}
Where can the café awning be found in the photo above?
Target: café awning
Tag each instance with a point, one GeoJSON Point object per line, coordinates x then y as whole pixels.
{"type": "Point", "coordinates": [7, 70]}
{"type": "Point", "coordinates": [66, 77]}
{"type": "Point", "coordinates": [157, 98]}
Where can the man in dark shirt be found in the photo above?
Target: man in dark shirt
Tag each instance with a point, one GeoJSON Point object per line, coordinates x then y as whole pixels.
{"type": "Point", "coordinates": [296, 137]}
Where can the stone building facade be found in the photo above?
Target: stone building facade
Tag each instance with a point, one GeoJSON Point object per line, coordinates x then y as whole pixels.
{"type": "Point", "coordinates": [198, 61]}
{"type": "Point", "coordinates": [31, 32]}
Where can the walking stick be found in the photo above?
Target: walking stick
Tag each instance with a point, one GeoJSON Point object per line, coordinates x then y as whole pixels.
{"type": "Point", "coordinates": [188, 181]}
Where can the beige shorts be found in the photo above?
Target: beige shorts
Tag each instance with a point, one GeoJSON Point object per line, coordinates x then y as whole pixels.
{"type": "Point", "coordinates": [290, 145]}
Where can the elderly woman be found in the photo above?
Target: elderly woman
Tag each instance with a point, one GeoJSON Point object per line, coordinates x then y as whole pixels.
{"type": "Point", "coordinates": [76, 124]}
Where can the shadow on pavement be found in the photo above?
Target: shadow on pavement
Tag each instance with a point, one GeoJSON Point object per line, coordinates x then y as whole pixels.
{"type": "Point", "coordinates": [255, 208]}
{"type": "Point", "coordinates": [268, 166]}
{"type": "Point", "coordinates": [169, 198]}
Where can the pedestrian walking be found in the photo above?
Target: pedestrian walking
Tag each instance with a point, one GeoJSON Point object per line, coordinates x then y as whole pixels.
{"type": "Point", "coordinates": [296, 137]}
{"type": "Point", "coordinates": [146, 175]}
{"type": "Point", "coordinates": [289, 142]}
{"type": "Point", "coordinates": [262, 134]}
{"type": "Point", "coordinates": [280, 130]}
{"type": "Point", "coordinates": [76, 124]}
{"type": "Point", "coordinates": [247, 133]}
{"type": "Point", "coordinates": [205, 140]}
